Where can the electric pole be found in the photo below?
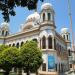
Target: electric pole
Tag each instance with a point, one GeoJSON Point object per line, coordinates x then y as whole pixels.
{"type": "Point", "coordinates": [71, 30]}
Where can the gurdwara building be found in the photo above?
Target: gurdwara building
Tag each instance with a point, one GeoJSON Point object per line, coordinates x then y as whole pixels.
{"type": "Point", "coordinates": [40, 27]}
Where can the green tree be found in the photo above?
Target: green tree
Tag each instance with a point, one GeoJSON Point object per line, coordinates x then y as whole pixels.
{"type": "Point", "coordinates": [31, 57]}
{"type": "Point", "coordinates": [9, 59]}
{"type": "Point", "coordinates": [7, 6]}
{"type": "Point", "coordinates": [3, 47]}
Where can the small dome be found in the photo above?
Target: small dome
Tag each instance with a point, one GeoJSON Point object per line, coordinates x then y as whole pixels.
{"type": "Point", "coordinates": [4, 25]}
{"type": "Point", "coordinates": [46, 6]}
{"type": "Point", "coordinates": [64, 30]}
{"type": "Point", "coordinates": [33, 17]}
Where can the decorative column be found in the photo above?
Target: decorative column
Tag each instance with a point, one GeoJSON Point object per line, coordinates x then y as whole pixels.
{"type": "Point", "coordinates": [40, 43]}
{"type": "Point", "coordinates": [51, 17]}
{"type": "Point", "coordinates": [46, 17]}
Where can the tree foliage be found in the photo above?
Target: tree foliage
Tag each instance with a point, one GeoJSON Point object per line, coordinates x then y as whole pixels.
{"type": "Point", "coordinates": [8, 59]}
{"type": "Point", "coordinates": [7, 6]}
{"type": "Point", "coordinates": [31, 56]}
{"type": "Point", "coordinates": [28, 57]}
{"type": "Point", "coordinates": [3, 47]}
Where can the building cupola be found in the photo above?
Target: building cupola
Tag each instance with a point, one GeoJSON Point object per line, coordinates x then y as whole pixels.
{"type": "Point", "coordinates": [47, 15]}
{"type": "Point", "coordinates": [4, 29]}
{"type": "Point", "coordinates": [66, 35]}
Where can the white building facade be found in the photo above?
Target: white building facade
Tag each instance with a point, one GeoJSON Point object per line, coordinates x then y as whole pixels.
{"type": "Point", "coordinates": [41, 27]}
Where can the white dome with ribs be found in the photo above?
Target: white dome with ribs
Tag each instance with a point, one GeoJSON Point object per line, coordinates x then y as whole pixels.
{"type": "Point", "coordinates": [4, 25]}
{"type": "Point", "coordinates": [46, 6]}
{"type": "Point", "coordinates": [64, 30]}
{"type": "Point", "coordinates": [33, 17]}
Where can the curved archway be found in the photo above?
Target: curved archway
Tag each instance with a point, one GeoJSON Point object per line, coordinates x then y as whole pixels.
{"type": "Point", "coordinates": [2, 32]}
{"type": "Point", "coordinates": [43, 42]}
{"type": "Point", "coordinates": [43, 16]}
{"type": "Point", "coordinates": [69, 52]}
{"type": "Point", "coordinates": [13, 45]}
{"type": "Point", "coordinates": [54, 43]}
{"type": "Point", "coordinates": [34, 39]}
{"type": "Point", "coordinates": [50, 42]}
{"type": "Point", "coordinates": [22, 43]}
{"type": "Point", "coordinates": [6, 33]}
{"type": "Point", "coordinates": [9, 45]}
{"type": "Point", "coordinates": [49, 16]}
{"type": "Point", "coordinates": [17, 45]}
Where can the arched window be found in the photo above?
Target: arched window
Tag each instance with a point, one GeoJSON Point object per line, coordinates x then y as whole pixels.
{"type": "Point", "coordinates": [3, 33]}
{"type": "Point", "coordinates": [6, 33]}
{"type": "Point", "coordinates": [50, 42]}
{"type": "Point", "coordinates": [69, 52]}
{"type": "Point", "coordinates": [9, 45]}
{"type": "Point", "coordinates": [56, 66]}
{"type": "Point", "coordinates": [17, 45]}
{"type": "Point", "coordinates": [70, 65]}
{"type": "Point", "coordinates": [44, 42]}
{"type": "Point", "coordinates": [67, 37]}
{"type": "Point", "coordinates": [49, 16]}
{"type": "Point", "coordinates": [35, 40]}
{"type": "Point", "coordinates": [44, 67]}
{"type": "Point", "coordinates": [54, 43]}
{"type": "Point", "coordinates": [22, 43]}
{"type": "Point", "coordinates": [43, 16]}
{"type": "Point", "coordinates": [64, 36]}
{"type": "Point", "coordinates": [13, 45]}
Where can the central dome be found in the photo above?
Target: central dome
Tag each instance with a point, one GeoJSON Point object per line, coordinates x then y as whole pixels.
{"type": "Point", "coordinates": [33, 17]}
{"type": "Point", "coordinates": [46, 6]}
{"type": "Point", "coordinates": [31, 21]}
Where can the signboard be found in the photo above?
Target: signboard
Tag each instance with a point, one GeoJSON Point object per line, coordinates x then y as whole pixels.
{"type": "Point", "coordinates": [51, 62]}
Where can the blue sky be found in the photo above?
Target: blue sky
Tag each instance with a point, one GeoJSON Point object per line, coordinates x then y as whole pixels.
{"type": "Point", "coordinates": [61, 15]}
